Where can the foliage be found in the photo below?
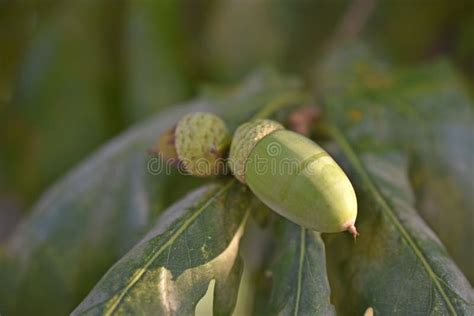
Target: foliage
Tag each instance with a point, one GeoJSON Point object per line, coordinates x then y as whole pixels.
{"type": "Point", "coordinates": [112, 238]}
{"type": "Point", "coordinates": [92, 217]}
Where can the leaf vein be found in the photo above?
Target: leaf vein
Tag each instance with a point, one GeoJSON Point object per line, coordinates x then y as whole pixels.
{"type": "Point", "coordinates": [110, 310]}
{"type": "Point", "coordinates": [300, 270]}
{"type": "Point", "coordinates": [350, 153]}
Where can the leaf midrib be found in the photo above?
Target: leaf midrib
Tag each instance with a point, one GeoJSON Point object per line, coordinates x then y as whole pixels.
{"type": "Point", "coordinates": [300, 269]}
{"type": "Point", "coordinates": [111, 309]}
{"type": "Point", "coordinates": [358, 166]}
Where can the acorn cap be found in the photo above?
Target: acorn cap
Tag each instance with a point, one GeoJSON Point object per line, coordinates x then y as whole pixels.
{"type": "Point", "coordinates": [245, 139]}
{"type": "Point", "coordinates": [200, 140]}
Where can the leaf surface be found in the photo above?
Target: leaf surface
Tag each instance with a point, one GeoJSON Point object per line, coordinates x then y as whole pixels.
{"type": "Point", "coordinates": [423, 111]}
{"type": "Point", "coordinates": [170, 269]}
{"type": "Point", "coordinates": [299, 284]}
{"type": "Point", "coordinates": [397, 265]}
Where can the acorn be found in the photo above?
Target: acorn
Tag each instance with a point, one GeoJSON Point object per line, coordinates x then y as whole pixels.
{"type": "Point", "coordinates": [294, 176]}
{"type": "Point", "coordinates": [197, 144]}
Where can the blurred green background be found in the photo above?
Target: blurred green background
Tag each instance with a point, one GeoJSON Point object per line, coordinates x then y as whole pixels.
{"type": "Point", "coordinates": [75, 73]}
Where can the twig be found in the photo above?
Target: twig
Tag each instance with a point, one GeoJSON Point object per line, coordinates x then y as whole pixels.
{"type": "Point", "coordinates": [353, 20]}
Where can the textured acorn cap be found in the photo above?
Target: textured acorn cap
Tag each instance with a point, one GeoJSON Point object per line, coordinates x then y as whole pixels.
{"type": "Point", "coordinates": [200, 140]}
{"type": "Point", "coordinates": [245, 139]}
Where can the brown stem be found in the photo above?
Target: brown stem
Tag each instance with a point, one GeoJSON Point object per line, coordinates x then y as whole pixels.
{"type": "Point", "coordinates": [354, 19]}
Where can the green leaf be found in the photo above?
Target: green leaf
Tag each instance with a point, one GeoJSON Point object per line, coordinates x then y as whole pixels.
{"type": "Point", "coordinates": [397, 265]}
{"type": "Point", "coordinates": [170, 269]}
{"type": "Point", "coordinates": [423, 111]}
{"type": "Point", "coordinates": [298, 274]}
{"type": "Point", "coordinates": [99, 210]}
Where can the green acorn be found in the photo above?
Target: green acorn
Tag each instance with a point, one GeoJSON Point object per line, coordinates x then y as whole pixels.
{"type": "Point", "coordinates": [293, 176]}
{"type": "Point", "coordinates": [197, 143]}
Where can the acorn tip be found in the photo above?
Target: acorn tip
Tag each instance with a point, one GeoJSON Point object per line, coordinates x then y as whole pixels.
{"type": "Point", "coordinates": [353, 231]}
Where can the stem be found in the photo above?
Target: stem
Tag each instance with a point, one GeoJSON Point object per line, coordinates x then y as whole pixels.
{"type": "Point", "coordinates": [353, 21]}
{"type": "Point", "coordinates": [286, 100]}
{"type": "Point", "coordinates": [348, 29]}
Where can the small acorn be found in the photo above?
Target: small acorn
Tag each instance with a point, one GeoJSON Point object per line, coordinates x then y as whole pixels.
{"type": "Point", "coordinates": [197, 144]}
{"type": "Point", "coordinates": [293, 176]}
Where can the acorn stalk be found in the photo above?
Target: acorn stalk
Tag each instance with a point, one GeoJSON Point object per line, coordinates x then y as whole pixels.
{"type": "Point", "coordinates": [294, 176]}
